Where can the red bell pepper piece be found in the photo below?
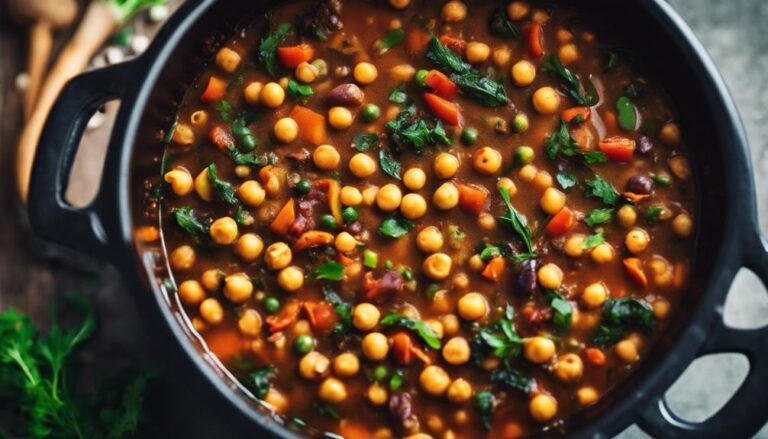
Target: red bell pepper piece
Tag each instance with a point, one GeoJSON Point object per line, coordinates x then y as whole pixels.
{"type": "Point", "coordinates": [445, 110]}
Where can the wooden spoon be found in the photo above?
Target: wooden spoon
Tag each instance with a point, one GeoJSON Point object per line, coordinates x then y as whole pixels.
{"type": "Point", "coordinates": [43, 17]}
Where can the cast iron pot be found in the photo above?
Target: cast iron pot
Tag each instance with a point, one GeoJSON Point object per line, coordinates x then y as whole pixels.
{"type": "Point", "coordinates": [727, 234]}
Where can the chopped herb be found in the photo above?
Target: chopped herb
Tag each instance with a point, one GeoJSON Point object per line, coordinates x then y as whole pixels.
{"type": "Point", "coordinates": [242, 216]}
{"type": "Point", "coordinates": [389, 165]}
{"type": "Point", "coordinates": [661, 179]}
{"type": "Point", "coordinates": [499, 338]}
{"type": "Point", "coordinates": [489, 253]}
{"type": "Point", "coordinates": [554, 67]}
{"type": "Point", "coordinates": [330, 270]}
{"type": "Point", "coordinates": [486, 405]}
{"type": "Point", "coordinates": [244, 136]}
{"type": "Point", "coordinates": [224, 108]}
{"type": "Point", "coordinates": [370, 259]}
{"type": "Point", "coordinates": [365, 141]}
{"type": "Point", "coordinates": [513, 378]}
{"type": "Point", "coordinates": [397, 380]}
{"type": "Point", "coordinates": [398, 96]}
{"type": "Point", "coordinates": [343, 311]}
{"type": "Point", "coordinates": [395, 227]}
{"type": "Point", "coordinates": [408, 130]}
{"type": "Point", "coordinates": [598, 216]}
{"type": "Point", "coordinates": [301, 91]}
{"type": "Point", "coordinates": [391, 40]}
{"type": "Point", "coordinates": [566, 180]}
{"type": "Point", "coordinates": [236, 80]}
{"type": "Point", "coordinates": [516, 221]}
{"type": "Point", "coordinates": [561, 143]}
{"type": "Point", "coordinates": [593, 241]}
{"type": "Point", "coordinates": [260, 381]}
{"type": "Point", "coordinates": [169, 134]}
{"type": "Point", "coordinates": [500, 25]}
{"type": "Point", "coordinates": [419, 326]}
{"type": "Point", "coordinates": [329, 410]}
{"type": "Point", "coordinates": [268, 48]}
{"type": "Point", "coordinates": [562, 311]}
{"type": "Point", "coordinates": [594, 157]}
{"type": "Point", "coordinates": [225, 190]}
{"type": "Point", "coordinates": [243, 158]}
{"type": "Point", "coordinates": [186, 219]}
{"type": "Point", "coordinates": [652, 214]}
{"type": "Point", "coordinates": [601, 189]}
{"type": "Point", "coordinates": [620, 314]}
{"type": "Point", "coordinates": [627, 114]}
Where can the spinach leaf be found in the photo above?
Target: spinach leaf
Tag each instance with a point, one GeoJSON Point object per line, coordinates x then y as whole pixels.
{"type": "Point", "coordinates": [513, 379]}
{"type": "Point", "coordinates": [627, 114]}
{"type": "Point", "coordinates": [620, 314]}
{"type": "Point", "coordinates": [516, 221]}
{"type": "Point", "coordinates": [186, 219]}
{"type": "Point", "coordinates": [601, 189]}
{"type": "Point", "coordinates": [598, 216]}
{"type": "Point", "coordinates": [365, 141]}
{"type": "Point", "coordinates": [444, 58]}
{"type": "Point", "coordinates": [389, 165]}
{"type": "Point", "coordinates": [225, 190]}
{"type": "Point", "coordinates": [554, 67]}
{"type": "Point", "coordinates": [499, 338]}
{"type": "Point", "coordinates": [562, 311]}
{"type": "Point", "coordinates": [395, 227]}
{"type": "Point", "coordinates": [410, 131]}
{"type": "Point", "coordinates": [652, 214]}
{"type": "Point", "coordinates": [243, 158]}
{"type": "Point", "coordinates": [301, 91]}
{"type": "Point", "coordinates": [330, 270]}
{"type": "Point", "coordinates": [343, 311]}
{"type": "Point", "coordinates": [260, 380]}
{"type": "Point", "coordinates": [393, 320]}
{"type": "Point", "coordinates": [486, 405]}
{"type": "Point", "coordinates": [500, 25]}
{"type": "Point", "coordinates": [593, 241]}
{"type": "Point", "coordinates": [594, 157]}
{"type": "Point", "coordinates": [267, 52]}
{"type": "Point", "coordinates": [566, 180]}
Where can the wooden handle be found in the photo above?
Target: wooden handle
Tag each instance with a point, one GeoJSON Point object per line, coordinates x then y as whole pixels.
{"type": "Point", "coordinates": [40, 41]}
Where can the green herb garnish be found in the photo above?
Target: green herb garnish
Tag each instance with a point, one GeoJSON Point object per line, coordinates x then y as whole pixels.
{"type": "Point", "coordinates": [389, 165]}
{"type": "Point", "coordinates": [601, 189]}
{"type": "Point", "coordinates": [268, 48]}
{"type": "Point", "coordinates": [395, 227]}
{"type": "Point", "coordinates": [398, 96]}
{"type": "Point", "coordinates": [652, 214]}
{"type": "Point", "coordinates": [619, 315]}
{"type": "Point", "coordinates": [566, 180]}
{"type": "Point", "coordinates": [330, 270]}
{"type": "Point", "coordinates": [516, 221]}
{"type": "Point", "coordinates": [500, 25]}
{"type": "Point", "coordinates": [260, 380]}
{"type": "Point", "coordinates": [225, 190]}
{"type": "Point", "coordinates": [390, 40]}
{"type": "Point", "coordinates": [554, 67]}
{"type": "Point", "coordinates": [598, 216]}
{"type": "Point", "coordinates": [593, 241]}
{"type": "Point", "coordinates": [408, 130]}
{"type": "Point", "coordinates": [486, 405]}
{"type": "Point", "coordinates": [365, 141]}
{"type": "Point", "coordinates": [343, 312]}
{"type": "Point", "coordinates": [245, 158]}
{"type": "Point", "coordinates": [420, 327]}
{"type": "Point", "coordinates": [301, 91]}
{"type": "Point", "coordinates": [186, 219]}
{"type": "Point", "coordinates": [513, 378]}
{"type": "Point", "coordinates": [562, 311]}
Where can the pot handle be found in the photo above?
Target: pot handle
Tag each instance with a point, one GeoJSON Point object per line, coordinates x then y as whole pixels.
{"type": "Point", "coordinates": [51, 216]}
{"type": "Point", "coordinates": [745, 413]}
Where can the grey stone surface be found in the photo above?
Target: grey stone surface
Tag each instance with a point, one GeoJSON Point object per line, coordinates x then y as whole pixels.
{"type": "Point", "coordinates": [735, 33]}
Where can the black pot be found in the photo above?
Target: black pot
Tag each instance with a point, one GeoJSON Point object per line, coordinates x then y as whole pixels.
{"type": "Point", "coordinates": [727, 234]}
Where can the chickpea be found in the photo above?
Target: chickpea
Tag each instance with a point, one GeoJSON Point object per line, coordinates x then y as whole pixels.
{"type": "Point", "coordinates": [414, 179]}
{"type": "Point", "coordinates": [527, 173]}
{"type": "Point", "coordinates": [365, 73]}
{"type": "Point", "coordinates": [546, 100]}
{"type": "Point", "coordinates": [251, 193]}
{"type": "Point", "coordinates": [375, 346]}
{"type": "Point", "coordinates": [203, 186]}
{"type": "Point", "coordinates": [272, 95]}
{"type": "Point", "coordinates": [446, 196]}
{"type": "Point", "coordinates": [346, 365]}
{"type": "Point", "coordinates": [451, 324]}
{"type": "Point", "coordinates": [180, 180]}
{"type": "Point", "coordinates": [669, 134]}
{"type": "Point", "coordinates": [568, 53]}
{"type": "Point", "coordinates": [326, 157]}
{"type": "Point", "coordinates": [413, 206]}
{"type": "Point", "coordinates": [182, 258]}
{"type": "Point", "coordinates": [286, 130]}
{"type": "Point", "coordinates": [543, 407]}
{"type": "Point", "coordinates": [454, 11]}
{"type": "Point", "coordinates": [402, 73]}
{"type": "Point", "coordinates": [249, 322]}
{"type": "Point", "coordinates": [486, 221]}
{"type": "Point", "coordinates": [660, 308]}
{"type": "Point", "coordinates": [437, 266]}
{"type": "Point", "coordinates": [508, 184]}
{"type": "Point", "coordinates": [626, 350]}
{"type": "Point", "coordinates": [603, 253]}
{"type": "Point", "coordinates": [434, 380]}
{"type": "Point", "coordinates": [472, 306]}
{"type": "Point", "coordinates": [365, 316]}
{"type": "Point", "coordinates": [523, 73]}
{"type": "Point", "coordinates": [682, 225]}
{"type": "Point", "coordinates": [501, 57]}
{"type": "Point", "coordinates": [211, 311]}
{"type": "Point", "coordinates": [552, 201]}
{"type": "Point", "coordinates": [574, 245]}
{"type": "Point", "coordinates": [399, 4]}
{"type": "Point", "coordinates": [313, 366]}
{"type": "Point", "coordinates": [191, 292]}
{"type": "Point", "coordinates": [538, 349]}
{"type": "Point", "coordinates": [362, 165]}
{"type": "Point", "coordinates": [550, 276]}
{"type": "Point", "coordinates": [340, 117]}
{"type": "Point", "coordinates": [569, 368]}
{"type": "Point", "coordinates": [376, 394]}
{"type": "Point", "coordinates": [350, 196]}
{"type": "Point", "coordinates": [518, 10]}
{"type": "Point", "coordinates": [306, 72]}
{"type": "Point", "coordinates": [238, 288]}
{"type": "Point", "coordinates": [637, 240]}
{"type": "Point", "coordinates": [456, 351]}
{"type": "Point", "coordinates": [389, 197]}
{"type": "Point", "coordinates": [369, 195]}
{"type": "Point", "coordinates": [277, 401]}
{"type": "Point", "coordinates": [477, 52]}
{"type": "Point", "coordinates": [543, 180]}
{"type": "Point", "coordinates": [252, 93]}
{"type": "Point", "coordinates": [594, 295]}
{"type": "Point", "coordinates": [459, 391]}
{"type": "Point", "coordinates": [249, 247]}
{"type": "Point", "coordinates": [680, 167]}
{"type": "Point", "coordinates": [486, 160]}
{"type": "Point", "coordinates": [211, 279]}
{"type": "Point", "coordinates": [429, 239]}
{"type": "Point", "coordinates": [345, 242]}
{"type": "Point", "coordinates": [586, 395]}
{"type": "Point", "coordinates": [446, 165]}
{"type": "Point", "coordinates": [290, 278]}
{"type": "Point", "coordinates": [242, 171]}
{"type": "Point", "coordinates": [183, 135]}
{"type": "Point", "coordinates": [627, 215]}
{"type": "Point", "coordinates": [278, 256]}
{"type": "Point", "coordinates": [228, 60]}
{"type": "Point", "coordinates": [223, 231]}
{"type": "Point", "coordinates": [332, 390]}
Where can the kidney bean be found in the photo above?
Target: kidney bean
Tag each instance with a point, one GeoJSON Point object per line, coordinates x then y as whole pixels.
{"type": "Point", "coordinates": [526, 278]}
{"type": "Point", "coordinates": [640, 184]}
{"type": "Point", "coordinates": [345, 95]}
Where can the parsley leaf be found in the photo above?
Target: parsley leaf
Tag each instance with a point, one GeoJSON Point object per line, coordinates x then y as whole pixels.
{"type": "Point", "coordinates": [410, 131]}
{"type": "Point", "coordinates": [593, 241]}
{"type": "Point", "coordinates": [301, 91]}
{"type": "Point", "coordinates": [225, 190]}
{"type": "Point", "coordinates": [566, 180]}
{"type": "Point", "coordinates": [243, 158]}
{"type": "Point", "coordinates": [365, 141]}
{"type": "Point", "coordinates": [260, 381]}
{"type": "Point", "coordinates": [186, 219]}
{"type": "Point", "coordinates": [499, 338]}
{"type": "Point", "coordinates": [329, 410]}
{"type": "Point", "coordinates": [601, 189]}
{"type": "Point", "coordinates": [395, 227]}
{"type": "Point", "coordinates": [486, 405]}
{"type": "Point", "coordinates": [562, 311]}
{"type": "Point", "coordinates": [618, 315]}
{"type": "Point", "coordinates": [652, 214]}
{"type": "Point", "coordinates": [554, 67]}
{"type": "Point", "coordinates": [343, 311]}
{"type": "Point", "coordinates": [330, 270]}
{"type": "Point", "coordinates": [421, 327]}
{"type": "Point", "coordinates": [516, 221]}
{"type": "Point", "coordinates": [389, 165]}
{"type": "Point", "coordinates": [594, 157]}
{"type": "Point", "coordinates": [598, 216]}
{"type": "Point", "coordinates": [390, 40]}
{"type": "Point", "coordinates": [513, 379]}
{"type": "Point", "coordinates": [398, 96]}
{"type": "Point", "coordinates": [268, 48]}
{"type": "Point", "coordinates": [224, 108]}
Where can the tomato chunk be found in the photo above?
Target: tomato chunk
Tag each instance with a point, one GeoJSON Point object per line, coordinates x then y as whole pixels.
{"type": "Point", "coordinates": [215, 90]}
{"type": "Point", "coordinates": [617, 148]}
{"type": "Point", "coordinates": [562, 222]}
{"type": "Point", "coordinates": [294, 55]}
{"type": "Point", "coordinates": [472, 199]}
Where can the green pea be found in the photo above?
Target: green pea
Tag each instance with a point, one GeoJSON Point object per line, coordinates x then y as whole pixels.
{"type": "Point", "coordinates": [524, 155]}
{"type": "Point", "coordinates": [469, 135]}
{"type": "Point", "coordinates": [350, 215]}
{"type": "Point", "coordinates": [247, 143]}
{"type": "Point", "coordinates": [328, 222]}
{"type": "Point", "coordinates": [303, 344]}
{"type": "Point", "coordinates": [420, 75]}
{"type": "Point", "coordinates": [271, 304]}
{"type": "Point", "coordinates": [521, 123]}
{"type": "Point", "coordinates": [370, 112]}
{"type": "Point", "coordinates": [380, 372]}
{"type": "Point", "coordinates": [303, 187]}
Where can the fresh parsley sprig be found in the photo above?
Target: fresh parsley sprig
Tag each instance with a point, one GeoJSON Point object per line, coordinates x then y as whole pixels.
{"type": "Point", "coordinates": [420, 327]}
{"type": "Point", "coordinates": [517, 222]}
{"type": "Point", "coordinates": [553, 66]}
{"type": "Point", "coordinates": [268, 47]}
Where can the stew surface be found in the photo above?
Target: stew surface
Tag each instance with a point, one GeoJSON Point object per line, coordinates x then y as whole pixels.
{"type": "Point", "coordinates": [423, 219]}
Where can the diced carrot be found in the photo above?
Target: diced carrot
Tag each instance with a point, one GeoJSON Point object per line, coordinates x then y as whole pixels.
{"type": "Point", "coordinates": [322, 315]}
{"type": "Point", "coordinates": [512, 430]}
{"type": "Point", "coordinates": [421, 355]}
{"type": "Point", "coordinates": [147, 234]}
{"type": "Point", "coordinates": [332, 189]}
{"type": "Point", "coordinates": [311, 124]}
{"type": "Point", "coordinates": [535, 44]}
{"type": "Point", "coordinates": [441, 84]}
{"type": "Point", "coordinates": [401, 348]}
{"type": "Point", "coordinates": [635, 198]}
{"type": "Point", "coordinates": [495, 269]}
{"type": "Point", "coordinates": [472, 198]}
{"type": "Point", "coordinates": [286, 317]}
{"type": "Point", "coordinates": [224, 343]}
{"type": "Point", "coordinates": [221, 137]}
{"type": "Point", "coordinates": [634, 268]}
{"type": "Point", "coordinates": [445, 110]}
{"type": "Point", "coordinates": [562, 222]}
{"type": "Point", "coordinates": [215, 90]}
{"type": "Point", "coordinates": [418, 39]}
{"type": "Point", "coordinates": [312, 238]}
{"type": "Point", "coordinates": [595, 356]}
{"type": "Point", "coordinates": [292, 56]}
{"type": "Point", "coordinates": [618, 149]}
{"type": "Point", "coordinates": [284, 219]}
{"type": "Point", "coordinates": [570, 113]}
{"type": "Point", "coordinates": [609, 120]}
{"type": "Point", "coordinates": [343, 259]}
{"type": "Point", "coordinates": [455, 44]}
